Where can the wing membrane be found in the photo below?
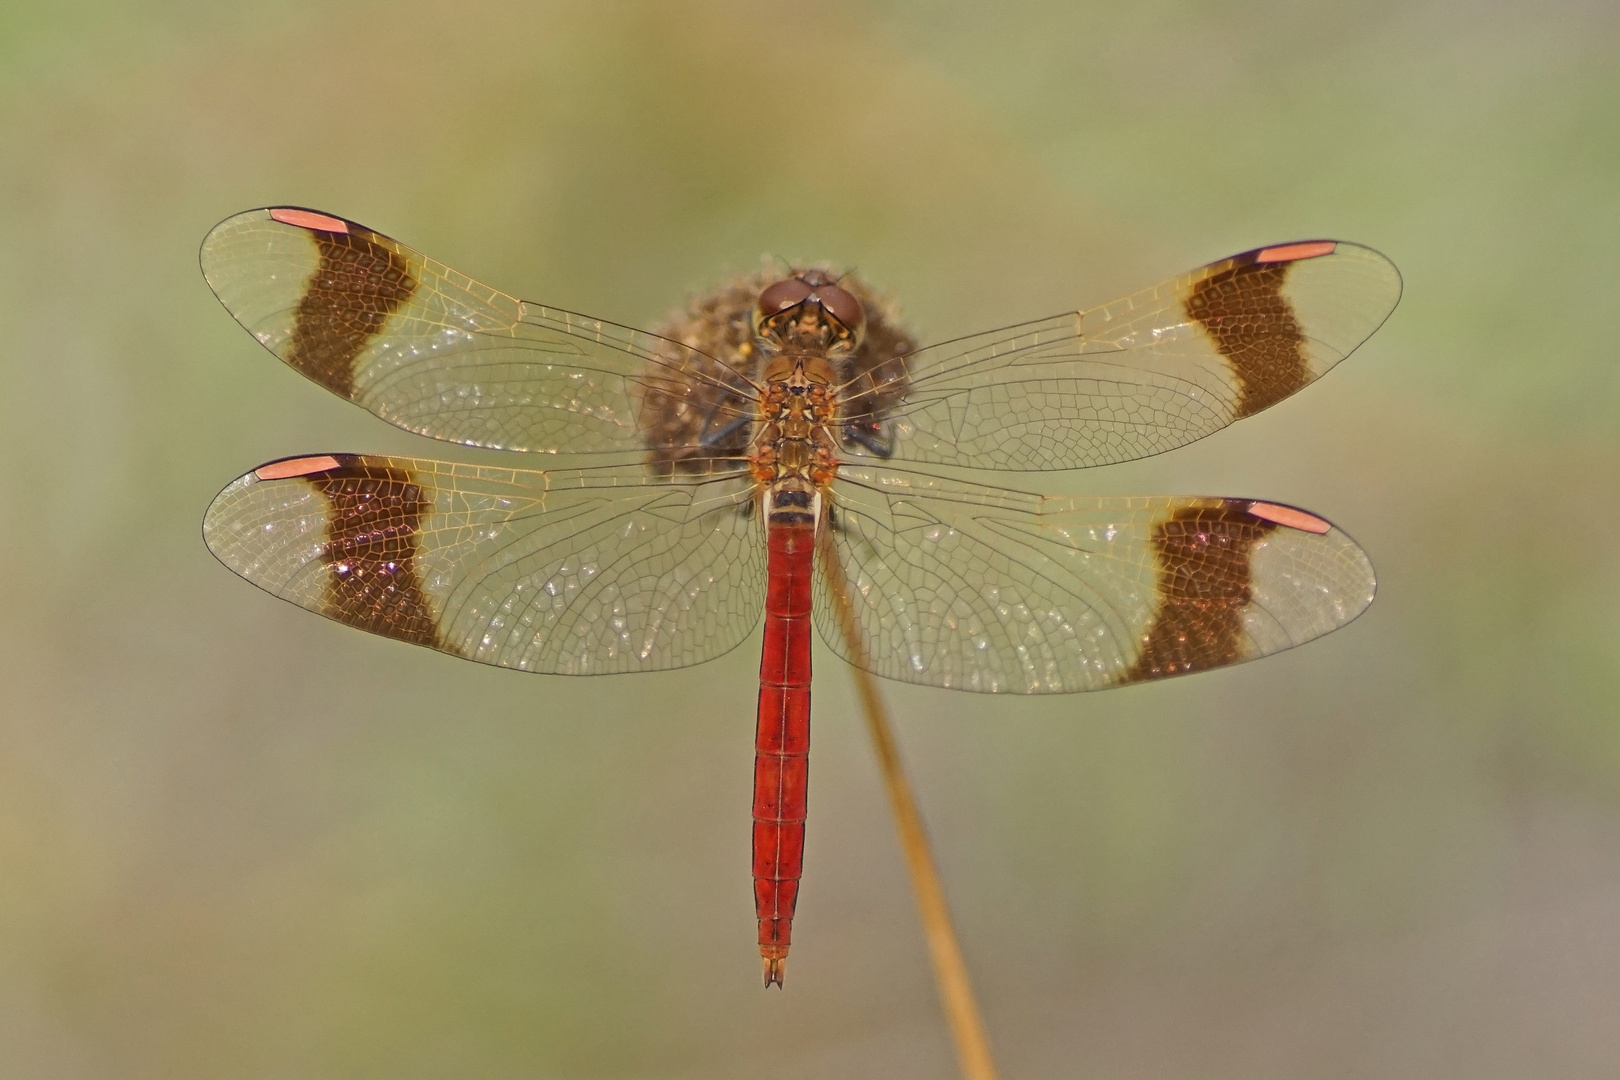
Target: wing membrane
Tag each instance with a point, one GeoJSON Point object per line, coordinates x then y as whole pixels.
{"type": "Point", "coordinates": [572, 572]}
{"type": "Point", "coordinates": [437, 353]}
{"type": "Point", "coordinates": [1145, 374]}
{"type": "Point", "coordinates": [974, 588]}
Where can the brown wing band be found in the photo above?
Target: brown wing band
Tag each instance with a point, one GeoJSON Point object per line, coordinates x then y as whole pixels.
{"type": "Point", "coordinates": [1253, 325]}
{"type": "Point", "coordinates": [371, 551]}
{"type": "Point", "coordinates": [1203, 587]}
{"type": "Point", "coordinates": [357, 285]}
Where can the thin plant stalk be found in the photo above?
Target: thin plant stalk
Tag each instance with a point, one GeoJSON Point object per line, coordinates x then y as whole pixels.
{"type": "Point", "coordinates": [950, 971]}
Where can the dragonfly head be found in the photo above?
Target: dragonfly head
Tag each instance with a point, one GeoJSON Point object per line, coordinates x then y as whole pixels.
{"type": "Point", "coordinates": [809, 310]}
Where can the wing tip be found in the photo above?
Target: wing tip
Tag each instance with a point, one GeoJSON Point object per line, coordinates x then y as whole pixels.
{"type": "Point", "coordinates": [216, 242]}
{"type": "Point", "coordinates": [299, 217]}
{"type": "Point", "coordinates": [1377, 272]}
{"type": "Point", "coordinates": [1304, 250]}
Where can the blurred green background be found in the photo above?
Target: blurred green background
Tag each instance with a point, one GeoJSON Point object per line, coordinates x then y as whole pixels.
{"type": "Point", "coordinates": [239, 841]}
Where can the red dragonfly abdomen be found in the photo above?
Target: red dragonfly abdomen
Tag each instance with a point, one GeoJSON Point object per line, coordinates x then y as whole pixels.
{"type": "Point", "coordinates": [782, 740]}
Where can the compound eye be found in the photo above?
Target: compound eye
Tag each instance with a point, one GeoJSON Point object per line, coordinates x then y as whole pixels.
{"type": "Point", "coordinates": [786, 293]}
{"type": "Point", "coordinates": [843, 306]}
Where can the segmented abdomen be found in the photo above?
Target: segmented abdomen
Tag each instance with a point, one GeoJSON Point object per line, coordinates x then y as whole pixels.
{"type": "Point", "coordinates": [782, 740]}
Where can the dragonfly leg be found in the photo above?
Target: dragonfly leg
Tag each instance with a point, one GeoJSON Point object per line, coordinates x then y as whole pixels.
{"type": "Point", "coordinates": [727, 433]}
{"type": "Point", "coordinates": [876, 436]}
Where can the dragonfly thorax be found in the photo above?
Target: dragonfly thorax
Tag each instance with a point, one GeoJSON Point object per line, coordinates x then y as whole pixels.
{"type": "Point", "coordinates": [793, 448]}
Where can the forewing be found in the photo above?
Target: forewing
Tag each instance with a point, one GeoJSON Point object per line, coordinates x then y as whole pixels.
{"type": "Point", "coordinates": [974, 588]}
{"type": "Point", "coordinates": [578, 572]}
{"type": "Point", "coordinates": [437, 353]}
{"type": "Point", "coordinates": [1145, 374]}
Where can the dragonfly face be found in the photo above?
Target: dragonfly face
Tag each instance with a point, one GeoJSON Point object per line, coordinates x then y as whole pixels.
{"type": "Point", "coordinates": [780, 439]}
{"type": "Point", "coordinates": [809, 311]}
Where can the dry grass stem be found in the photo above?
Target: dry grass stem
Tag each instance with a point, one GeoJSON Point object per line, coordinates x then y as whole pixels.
{"type": "Point", "coordinates": [950, 971]}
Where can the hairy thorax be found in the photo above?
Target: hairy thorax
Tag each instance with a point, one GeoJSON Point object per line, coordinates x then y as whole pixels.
{"type": "Point", "coordinates": [811, 394]}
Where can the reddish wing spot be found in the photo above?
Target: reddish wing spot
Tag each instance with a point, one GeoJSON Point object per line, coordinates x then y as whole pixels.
{"type": "Point", "coordinates": [1310, 249]}
{"type": "Point", "coordinates": [1287, 515]}
{"type": "Point", "coordinates": [303, 466]}
{"type": "Point", "coordinates": [309, 219]}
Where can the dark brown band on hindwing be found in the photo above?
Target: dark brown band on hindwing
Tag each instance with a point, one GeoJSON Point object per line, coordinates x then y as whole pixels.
{"type": "Point", "coordinates": [1203, 586]}
{"type": "Point", "coordinates": [357, 285]}
{"type": "Point", "coordinates": [373, 581]}
{"type": "Point", "coordinates": [1253, 326]}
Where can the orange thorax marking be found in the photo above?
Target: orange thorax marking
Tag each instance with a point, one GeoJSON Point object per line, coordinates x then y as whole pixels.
{"type": "Point", "coordinates": [793, 438]}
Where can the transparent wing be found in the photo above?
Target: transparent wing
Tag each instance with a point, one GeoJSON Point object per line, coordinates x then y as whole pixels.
{"type": "Point", "coordinates": [578, 572]}
{"type": "Point", "coordinates": [437, 353]}
{"type": "Point", "coordinates": [974, 588]}
{"type": "Point", "coordinates": [1142, 375]}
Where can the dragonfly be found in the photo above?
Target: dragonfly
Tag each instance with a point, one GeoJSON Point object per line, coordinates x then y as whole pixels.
{"type": "Point", "coordinates": [783, 450]}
